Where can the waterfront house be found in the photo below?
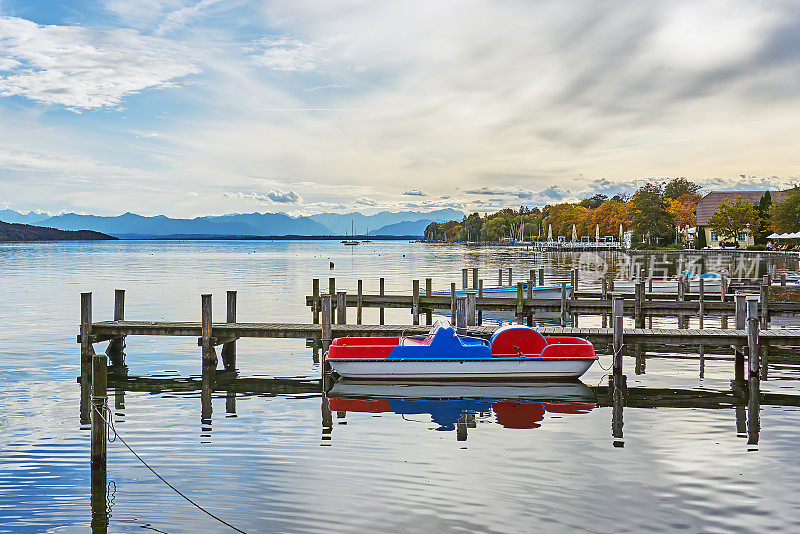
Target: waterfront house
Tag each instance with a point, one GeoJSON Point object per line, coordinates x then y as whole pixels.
{"type": "Point", "coordinates": [709, 204]}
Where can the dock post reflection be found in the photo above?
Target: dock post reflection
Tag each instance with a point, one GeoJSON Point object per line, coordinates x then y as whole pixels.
{"type": "Point", "coordinates": [461, 428]}
{"type": "Point", "coordinates": [98, 502]}
{"type": "Point", "coordinates": [207, 388]}
{"type": "Point", "coordinates": [327, 417]}
{"type": "Point", "coordinates": [230, 402]}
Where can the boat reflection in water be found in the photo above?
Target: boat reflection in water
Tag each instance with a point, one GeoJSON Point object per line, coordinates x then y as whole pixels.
{"type": "Point", "coordinates": [453, 406]}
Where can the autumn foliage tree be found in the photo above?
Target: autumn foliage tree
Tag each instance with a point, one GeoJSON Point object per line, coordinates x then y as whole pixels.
{"type": "Point", "coordinates": [786, 213]}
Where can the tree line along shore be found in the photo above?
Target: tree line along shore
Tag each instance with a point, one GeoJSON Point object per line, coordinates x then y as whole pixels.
{"type": "Point", "coordinates": [657, 215]}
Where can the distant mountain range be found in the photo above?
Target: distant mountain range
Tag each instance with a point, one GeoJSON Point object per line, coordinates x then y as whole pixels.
{"type": "Point", "coordinates": [26, 232]}
{"type": "Point", "coordinates": [130, 225]}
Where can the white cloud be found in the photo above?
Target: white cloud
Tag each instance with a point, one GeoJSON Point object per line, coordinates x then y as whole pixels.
{"type": "Point", "coordinates": [284, 54]}
{"type": "Point", "coordinates": [278, 196]}
{"type": "Point", "coordinates": [80, 68]}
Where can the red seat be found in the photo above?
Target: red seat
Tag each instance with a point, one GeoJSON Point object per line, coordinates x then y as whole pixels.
{"type": "Point", "coordinates": [512, 341]}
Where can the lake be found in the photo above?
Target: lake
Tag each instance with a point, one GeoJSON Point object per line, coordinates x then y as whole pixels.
{"type": "Point", "coordinates": [497, 459]}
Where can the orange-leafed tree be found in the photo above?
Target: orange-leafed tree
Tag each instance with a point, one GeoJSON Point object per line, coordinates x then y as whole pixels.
{"type": "Point", "coordinates": [609, 216]}
{"type": "Point", "coordinates": [682, 210]}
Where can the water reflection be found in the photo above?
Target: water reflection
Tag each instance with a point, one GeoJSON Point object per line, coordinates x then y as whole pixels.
{"type": "Point", "coordinates": [457, 407]}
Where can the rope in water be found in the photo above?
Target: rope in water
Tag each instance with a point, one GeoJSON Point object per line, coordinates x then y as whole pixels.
{"type": "Point", "coordinates": [110, 425]}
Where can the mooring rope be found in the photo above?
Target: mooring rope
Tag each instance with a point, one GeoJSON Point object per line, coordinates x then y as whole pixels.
{"type": "Point", "coordinates": [173, 488]}
{"type": "Point", "coordinates": [612, 359]}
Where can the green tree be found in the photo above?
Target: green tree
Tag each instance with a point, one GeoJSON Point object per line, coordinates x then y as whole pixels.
{"type": "Point", "coordinates": [472, 226]}
{"type": "Point", "coordinates": [762, 226]}
{"type": "Point", "coordinates": [677, 187]}
{"type": "Point", "coordinates": [651, 220]}
{"type": "Point", "coordinates": [786, 213]}
{"type": "Point", "coordinates": [732, 217]}
{"type": "Point", "coordinates": [494, 229]}
{"type": "Point", "coordinates": [700, 239]}
{"type": "Point", "coordinates": [593, 202]}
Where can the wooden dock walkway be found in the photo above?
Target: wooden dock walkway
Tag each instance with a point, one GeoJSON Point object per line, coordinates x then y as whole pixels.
{"type": "Point", "coordinates": [223, 332]}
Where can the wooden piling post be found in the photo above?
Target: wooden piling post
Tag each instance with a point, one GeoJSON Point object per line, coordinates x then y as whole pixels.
{"type": "Point", "coordinates": [638, 301]}
{"type": "Point", "coordinates": [574, 283]}
{"type": "Point", "coordinates": [381, 292]}
{"type": "Point", "coordinates": [617, 310]}
{"type": "Point", "coordinates": [464, 278]}
{"type": "Point", "coordinates": [461, 315]}
{"type": "Point", "coordinates": [327, 328]}
{"type": "Point", "coordinates": [723, 287]}
{"type": "Point", "coordinates": [471, 304]}
{"type": "Point", "coordinates": [99, 411]}
{"type": "Point", "coordinates": [428, 293]}
{"type": "Point", "coordinates": [341, 307]}
{"type": "Point", "coordinates": [752, 335]}
{"type": "Point", "coordinates": [603, 288]}
{"type": "Point", "coordinates": [360, 302]}
{"type": "Point", "coordinates": [740, 318]}
{"type": "Point", "coordinates": [474, 278]}
{"type": "Point", "coordinates": [532, 276]}
{"type": "Point", "coordinates": [98, 440]}
{"type": "Point", "coordinates": [331, 286]}
{"type": "Point", "coordinates": [87, 351]}
{"type": "Point", "coordinates": [209, 353]}
{"type": "Point", "coordinates": [783, 279]}
{"type": "Point", "coordinates": [500, 277]}
{"type": "Point", "coordinates": [315, 297]}
{"type": "Point", "coordinates": [415, 299]}
{"type": "Point", "coordinates": [480, 296]}
{"type": "Point", "coordinates": [116, 347]}
{"type": "Point", "coordinates": [520, 305]}
{"type": "Point", "coordinates": [765, 283]}
{"type": "Point", "coordinates": [510, 277]}
{"type": "Point", "coordinates": [229, 348]}
{"type": "Point", "coordinates": [452, 303]}
{"type": "Point", "coordinates": [563, 304]}
{"type": "Point", "coordinates": [541, 276]}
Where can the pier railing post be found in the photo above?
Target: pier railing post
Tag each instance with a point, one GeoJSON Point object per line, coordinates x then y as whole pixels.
{"type": "Point", "coordinates": [116, 347]}
{"type": "Point", "coordinates": [532, 276]}
{"type": "Point", "coordinates": [461, 315]}
{"type": "Point", "coordinates": [341, 307]}
{"type": "Point", "coordinates": [510, 276]}
{"type": "Point", "coordinates": [500, 277]}
{"type": "Point", "coordinates": [740, 320]}
{"type": "Point", "coordinates": [617, 311]}
{"type": "Point", "coordinates": [452, 303]}
{"type": "Point", "coordinates": [638, 302]}
{"type": "Point", "coordinates": [360, 302]}
{"type": "Point", "coordinates": [765, 283]}
{"type": "Point", "coordinates": [315, 298]}
{"type": "Point", "coordinates": [327, 328]}
{"type": "Point", "coordinates": [520, 304]}
{"type": "Point", "coordinates": [752, 335]}
{"type": "Point", "coordinates": [87, 351]}
{"type": "Point", "coordinates": [428, 293]}
{"type": "Point", "coordinates": [415, 299]}
{"type": "Point", "coordinates": [702, 298]}
{"type": "Point", "coordinates": [531, 282]}
{"type": "Point", "coordinates": [480, 296]}
{"type": "Point", "coordinates": [574, 283]}
{"type": "Point", "coordinates": [471, 304]}
{"type": "Point", "coordinates": [563, 304]}
{"type": "Point", "coordinates": [381, 292]}
{"type": "Point", "coordinates": [229, 347]}
{"type": "Point", "coordinates": [464, 278]}
{"type": "Point", "coordinates": [541, 276]}
{"type": "Point", "coordinates": [474, 278]}
{"type": "Point", "coordinates": [604, 288]}
{"type": "Point", "coordinates": [209, 354]}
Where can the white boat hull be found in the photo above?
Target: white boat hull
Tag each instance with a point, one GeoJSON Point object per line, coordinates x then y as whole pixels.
{"type": "Point", "coordinates": [670, 287]}
{"type": "Point", "coordinates": [463, 370]}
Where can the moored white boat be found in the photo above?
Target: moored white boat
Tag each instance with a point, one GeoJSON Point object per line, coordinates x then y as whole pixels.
{"type": "Point", "coordinates": [514, 352]}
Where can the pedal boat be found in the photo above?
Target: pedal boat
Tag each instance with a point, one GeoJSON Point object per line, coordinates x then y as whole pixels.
{"type": "Point", "coordinates": [514, 352]}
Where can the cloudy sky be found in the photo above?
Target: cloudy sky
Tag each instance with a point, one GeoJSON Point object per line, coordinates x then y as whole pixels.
{"type": "Point", "coordinates": [192, 107]}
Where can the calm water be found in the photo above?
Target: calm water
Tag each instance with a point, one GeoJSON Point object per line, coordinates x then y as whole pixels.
{"type": "Point", "coordinates": [497, 460]}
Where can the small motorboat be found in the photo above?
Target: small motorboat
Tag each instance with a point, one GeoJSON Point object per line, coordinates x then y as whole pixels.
{"type": "Point", "coordinates": [514, 352]}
